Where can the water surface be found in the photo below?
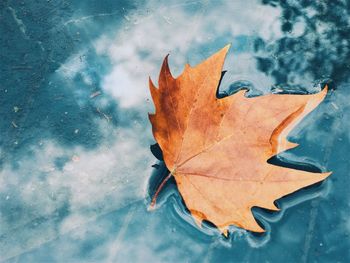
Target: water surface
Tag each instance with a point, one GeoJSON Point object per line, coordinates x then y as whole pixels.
{"type": "Point", "coordinates": [75, 158]}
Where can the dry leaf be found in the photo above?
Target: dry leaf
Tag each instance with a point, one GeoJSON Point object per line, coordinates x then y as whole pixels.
{"type": "Point", "coordinates": [217, 149]}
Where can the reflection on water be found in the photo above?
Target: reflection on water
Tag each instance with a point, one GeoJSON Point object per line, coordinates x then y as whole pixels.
{"type": "Point", "coordinates": [315, 46]}
{"type": "Point", "coordinates": [75, 158]}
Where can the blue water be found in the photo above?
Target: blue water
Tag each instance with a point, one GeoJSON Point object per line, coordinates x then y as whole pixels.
{"type": "Point", "coordinates": [76, 169]}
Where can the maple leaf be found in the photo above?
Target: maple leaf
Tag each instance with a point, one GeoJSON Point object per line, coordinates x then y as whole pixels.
{"type": "Point", "coordinates": [217, 149]}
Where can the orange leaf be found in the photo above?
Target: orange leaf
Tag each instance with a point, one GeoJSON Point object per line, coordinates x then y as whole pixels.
{"type": "Point", "coordinates": [217, 149]}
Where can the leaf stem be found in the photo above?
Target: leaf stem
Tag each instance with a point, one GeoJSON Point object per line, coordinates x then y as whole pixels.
{"type": "Point", "coordinates": [160, 187]}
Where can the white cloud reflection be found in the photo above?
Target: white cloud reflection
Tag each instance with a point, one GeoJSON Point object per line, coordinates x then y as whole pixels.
{"type": "Point", "coordinates": [88, 184]}
{"type": "Point", "coordinates": [137, 49]}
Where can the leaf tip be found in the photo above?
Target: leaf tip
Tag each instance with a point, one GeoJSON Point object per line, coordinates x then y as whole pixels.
{"type": "Point", "coordinates": [198, 217]}
{"type": "Point", "coordinates": [321, 176]}
{"type": "Point", "coordinates": [225, 49]}
{"type": "Point", "coordinates": [165, 73]}
{"type": "Point", "coordinates": [150, 82]}
{"type": "Point", "coordinates": [325, 89]}
{"type": "Point", "coordinates": [326, 174]}
{"type": "Point", "coordinates": [224, 231]}
{"type": "Point", "coordinates": [261, 230]}
{"type": "Point", "coordinates": [322, 94]}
